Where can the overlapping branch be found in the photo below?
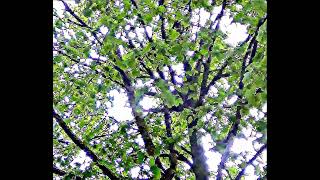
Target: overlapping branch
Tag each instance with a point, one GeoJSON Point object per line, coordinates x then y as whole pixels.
{"type": "Point", "coordinates": [59, 172]}
{"type": "Point", "coordinates": [250, 161]}
{"type": "Point", "coordinates": [82, 23]}
{"type": "Point", "coordinates": [233, 131]}
{"type": "Point", "coordinates": [83, 147]}
{"type": "Point", "coordinates": [170, 172]}
{"type": "Point", "coordinates": [198, 166]}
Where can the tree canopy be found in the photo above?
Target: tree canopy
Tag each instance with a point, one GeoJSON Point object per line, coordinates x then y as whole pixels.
{"type": "Point", "coordinates": [174, 54]}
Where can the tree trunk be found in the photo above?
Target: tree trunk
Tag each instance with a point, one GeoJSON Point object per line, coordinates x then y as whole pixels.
{"type": "Point", "coordinates": [200, 166]}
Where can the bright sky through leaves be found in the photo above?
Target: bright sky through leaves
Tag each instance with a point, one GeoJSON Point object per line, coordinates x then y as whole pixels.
{"type": "Point", "coordinates": [119, 108]}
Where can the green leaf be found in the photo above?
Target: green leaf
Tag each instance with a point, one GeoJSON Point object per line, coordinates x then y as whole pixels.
{"type": "Point", "coordinates": [140, 157]}
{"type": "Point", "coordinates": [233, 171]}
{"type": "Point", "coordinates": [148, 18]}
{"type": "Point", "coordinates": [157, 151]}
{"type": "Point", "coordinates": [105, 20]}
{"type": "Point", "coordinates": [204, 51]}
{"type": "Point", "coordinates": [121, 64]}
{"type": "Point", "coordinates": [57, 58]}
{"type": "Point", "coordinates": [161, 9]}
{"type": "Point", "coordinates": [146, 49]}
{"type": "Point", "coordinates": [87, 12]}
{"type": "Point", "coordinates": [67, 120]}
{"type": "Point", "coordinates": [221, 147]}
{"type": "Point", "coordinates": [173, 34]}
{"type": "Point", "coordinates": [135, 72]}
{"type": "Point", "coordinates": [152, 161]}
{"type": "Point", "coordinates": [170, 140]}
{"type": "Point", "coordinates": [59, 24]}
{"type": "Point", "coordinates": [156, 172]}
{"type": "Point", "coordinates": [87, 174]}
{"type": "Point", "coordinates": [82, 123]}
{"type": "Point", "coordinates": [261, 126]}
{"type": "Point", "coordinates": [77, 111]}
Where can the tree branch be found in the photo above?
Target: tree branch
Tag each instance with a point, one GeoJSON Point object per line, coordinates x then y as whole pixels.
{"type": "Point", "coordinates": [219, 16]}
{"type": "Point", "coordinates": [63, 173]}
{"type": "Point", "coordinates": [140, 19]}
{"type": "Point", "coordinates": [95, 70]}
{"type": "Point", "coordinates": [185, 150]}
{"type": "Point", "coordinates": [83, 147]}
{"type": "Point", "coordinates": [233, 131]}
{"type": "Point", "coordinates": [82, 23]}
{"type": "Point", "coordinates": [142, 126]}
{"type": "Point", "coordinates": [200, 167]}
{"type": "Point", "coordinates": [250, 161]}
{"type": "Point", "coordinates": [260, 23]}
{"type": "Point", "coordinates": [58, 171]}
{"type": "Point", "coordinates": [170, 172]}
{"type": "Point", "coordinates": [180, 158]}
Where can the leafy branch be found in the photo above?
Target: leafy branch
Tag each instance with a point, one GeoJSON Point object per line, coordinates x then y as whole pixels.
{"type": "Point", "coordinates": [83, 147]}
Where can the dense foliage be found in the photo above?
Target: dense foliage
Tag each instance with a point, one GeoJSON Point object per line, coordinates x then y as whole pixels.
{"type": "Point", "coordinates": [196, 83]}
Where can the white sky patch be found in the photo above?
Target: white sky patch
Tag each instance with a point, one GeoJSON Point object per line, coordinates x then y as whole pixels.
{"type": "Point", "coordinates": [204, 16]}
{"type": "Point", "coordinates": [118, 35]}
{"type": "Point", "coordinates": [232, 100]}
{"type": "Point", "coordinates": [236, 33]}
{"type": "Point", "coordinates": [148, 102]}
{"type": "Point", "coordinates": [139, 83]}
{"type": "Point", "coordinates": [225, 83]}
{"type": "Point", "coordinates": [260, 115]}
{"type": "Point", "coordinates": [241, 145]}
{"type": "Point", "coordinates": [104, 30]}
{"type": "Point", "coordinates": [178, 68]}
{"type": "Point", "coordinates": [247, 131]}
{"type": "Point", "coordinates": [190, 53]}
{"type": "Point", "coordinates": [132, 34]}
{"type": "Point", "coordinates": [114, 127]}
{"type": "Point", "coordinates": [121, 50]}
{"type": "Point", "coordinates": [149, 31]}
{"type": "Point", "coordinates": [127, 27]}
{"type": "Point", "coordinates": [139, 140]}
{"type": "Point", "coordinates": [249, 173]}
{"type": "Point", "coordinates": [59, 7]}
{"type": "Point", "coordinates": [82, 159]}
{"type": "Point", "coordinates": [264, 108]}
{"type": "Point", "coordinates": [135, 172]}
{"type": "Point", "coordinates": [94, 54]}
{"type": "Point", "coordinates": [146, 167]}
{"type": "Point", "coordinates": [119, 110]}
{"type": "Point", "coordinates": [213, 158]}
{"type": "Point", "coordinates": [213, 91]}
{"type": "Point", "coordinates": [98, 104]}
{"type": "Point", "coordinates": [195, 17]}
{"type": "Point", "coordinates": [140, 33]}
{"type": "Point", "coordinates": [225, 22]}
{"type": "Point", "coordinates": [215, 12]}
{"type": "Point", "coordinates": [254, 112]}
{"type": "Point", "coordinates": [264, 156]}
{"type": "Point", "coordinates": [66, 99]}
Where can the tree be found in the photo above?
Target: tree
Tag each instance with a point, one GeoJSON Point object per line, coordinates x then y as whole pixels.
{"type": "Point", "coordinates": [136, 47]}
